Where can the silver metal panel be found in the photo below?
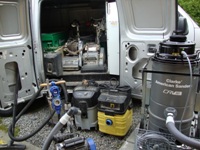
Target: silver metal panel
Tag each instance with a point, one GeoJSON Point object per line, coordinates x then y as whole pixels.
{"type": "Point", "coordinates": [112, 26]}
{"type": "Point", "coordinates": [21, 57]}
{"type": "Point", "coordinates": [15, 52]}
{"type": "Point", "coordinates": [35, 10]}
{"type": "Point", "coordinates": [10, 19]}
{"type": "Point", "coordinates": [12, 23]}
{"type": "Point", "coordinates": [137, 33]}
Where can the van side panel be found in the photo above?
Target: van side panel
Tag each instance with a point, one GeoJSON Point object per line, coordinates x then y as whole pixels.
{"type": "Point", "coordinates": [143, 24]}
{"type": "Point", "coordinates": [112, 26]}
{"type": "Point", "coordinates": [15, 52]}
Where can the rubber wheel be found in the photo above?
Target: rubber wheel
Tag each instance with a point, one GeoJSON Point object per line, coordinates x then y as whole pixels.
{"type": "Point", "coordinates": [7, 112]}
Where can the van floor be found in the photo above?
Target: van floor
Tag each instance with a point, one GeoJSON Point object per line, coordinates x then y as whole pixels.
{"type": "Point", "coordinates": [74, 78]}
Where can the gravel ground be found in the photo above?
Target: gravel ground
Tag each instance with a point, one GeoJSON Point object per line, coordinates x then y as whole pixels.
{"type": "Point", "coordinates": [40, 110]}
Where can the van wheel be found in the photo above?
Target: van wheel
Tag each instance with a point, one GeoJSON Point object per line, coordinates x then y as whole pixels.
{"type": "Point", "coordinates": [8, 111]}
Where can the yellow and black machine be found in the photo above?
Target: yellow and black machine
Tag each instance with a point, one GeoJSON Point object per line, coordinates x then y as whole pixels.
{"type": "Point", "coordinates": [115, 111]}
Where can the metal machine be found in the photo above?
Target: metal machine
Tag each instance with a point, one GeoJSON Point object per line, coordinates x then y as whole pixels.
{"type": "Point", "coordinates": [85, 97]}
{"type": "Point", "coordinates": [115, 112]}
{"type": "Point", "coordinates": [169, 114]}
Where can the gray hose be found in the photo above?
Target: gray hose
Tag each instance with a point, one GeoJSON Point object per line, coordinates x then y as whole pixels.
{"type": "Point", "coordinates": [63, 120]}
{"type": "Point", "coordinates": [181, 137]}
{"type": "Point", "coordinates": [54, 131]}
{"type": "Point", "coordinates": [190, 90]}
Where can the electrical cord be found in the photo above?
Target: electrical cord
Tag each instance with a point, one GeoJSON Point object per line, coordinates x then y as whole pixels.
{"type": "Point", "coordinates": [190, 90]}
{"type": "Point", "coordinates": [147, 63]}
{"type": "Point", "coordinates": [110, 86]}
{"type": "Point", "coordinates": [116, 86]}
{"type": "Point", "coordinates": [10, 130]}
{"type": "Point", "coordinates": [63, 120]}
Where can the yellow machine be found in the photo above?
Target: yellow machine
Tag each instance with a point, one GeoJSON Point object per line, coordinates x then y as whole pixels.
{"type": "Point", "coordinates": [115, 112]}
{"type": "Point", "coordinates": [115, 125]}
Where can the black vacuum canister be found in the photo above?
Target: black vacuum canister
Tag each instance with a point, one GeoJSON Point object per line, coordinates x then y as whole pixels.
{"type": "Point", "coordinates": [171, 90]}
{"type": "Point", "coordinates": [53, 63]}
{"type": "Point", "coordinates": [86, 99]}
{"type": "Point", "coordinates": [175, 45]}
{"type": "Point", "coordinates": [87, 94]}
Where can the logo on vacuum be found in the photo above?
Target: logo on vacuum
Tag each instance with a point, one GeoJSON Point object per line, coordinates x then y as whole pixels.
{"type": "Point", "coordinates": [170, 92]}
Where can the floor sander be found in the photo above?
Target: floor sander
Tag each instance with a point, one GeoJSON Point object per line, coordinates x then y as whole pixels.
{"type": "Point", "coordinates": [169, 118]}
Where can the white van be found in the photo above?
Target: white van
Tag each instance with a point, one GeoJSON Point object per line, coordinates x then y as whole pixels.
{"type": "Point", "coordinates": [117, 37]}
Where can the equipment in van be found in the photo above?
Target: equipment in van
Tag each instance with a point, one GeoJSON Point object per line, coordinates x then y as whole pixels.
{"type": "Point", "coordinates": [72, 51]}
{"type": "Point", "coordinates": [91, 54]}
{"type": "Point", "coordinates": [52, 41]}
{"type": "Point", "coordinates": [93, 58]}
{"type": "Point", "coordinates": [70, 63]}
{"type": "Point", "coordinates": [115, 111]}
{"type": "Point", "coordinates": [53, 63]}
{"type": "Point", "coordinates": [94, 53]}
{"type": "Point", "coordinates": [85, 98]}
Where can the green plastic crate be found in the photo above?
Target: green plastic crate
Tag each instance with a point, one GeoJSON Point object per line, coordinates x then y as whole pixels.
{"type": "Point", "coordinates": [52, 41]}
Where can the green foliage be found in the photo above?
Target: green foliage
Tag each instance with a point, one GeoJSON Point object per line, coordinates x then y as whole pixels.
{"type": "Point", "coordinates": [5, 128]}
{"type": "Point", "coordinates": [192, 7]}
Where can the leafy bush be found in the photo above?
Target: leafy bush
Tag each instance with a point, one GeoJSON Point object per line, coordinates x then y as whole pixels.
{"type": "Point", "coordinates": [192, 7]}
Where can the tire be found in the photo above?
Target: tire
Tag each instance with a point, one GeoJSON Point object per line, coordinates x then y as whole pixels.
{"type": "Point", "coordinates": [7, 112]}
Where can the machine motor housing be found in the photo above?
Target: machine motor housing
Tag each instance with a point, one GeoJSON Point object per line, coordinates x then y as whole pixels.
{"type": "Point", "coordinates": [53, 63]}
{"type": "Point", "coordinates": [93, 58]}
{"type": "Point", "coordinates": [71, 63]}
{"type": "Point", "coordinates": [114, 102]}
{"type": "Point", "coordinates": [86, 99]}
{"type": "Point", "coordinates": [171, 90]}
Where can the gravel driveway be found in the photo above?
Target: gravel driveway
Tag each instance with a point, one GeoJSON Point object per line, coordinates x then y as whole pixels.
{"type": "Point", "coordinates": [40, 110]}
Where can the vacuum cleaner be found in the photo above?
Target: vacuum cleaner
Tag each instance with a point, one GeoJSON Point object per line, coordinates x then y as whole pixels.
{"type": "Point", "coordinates": [169, 118]}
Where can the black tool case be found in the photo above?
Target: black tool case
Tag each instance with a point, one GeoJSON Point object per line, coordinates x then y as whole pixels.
{"type": "Point", "coordinates": [53, 63]}
{"type": "Point", "coordinates": [114, 102]}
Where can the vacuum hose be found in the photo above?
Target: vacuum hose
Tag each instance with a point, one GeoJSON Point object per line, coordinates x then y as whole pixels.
{"type": "Point", "coordinates": [178, 135]}
{"type": "Point", "coordinates": [63, 120]}
{"type": "Point", "coordinates": [10, 130]}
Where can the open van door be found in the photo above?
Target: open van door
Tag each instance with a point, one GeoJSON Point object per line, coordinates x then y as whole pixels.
{"type": "Point", "coordinates": [143, 25]}
{"type": "Point", "coordinates": [16, 54]}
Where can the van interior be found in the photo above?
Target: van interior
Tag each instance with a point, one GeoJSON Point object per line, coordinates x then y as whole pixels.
{"type": "Point", "coordinates": [74, 39]}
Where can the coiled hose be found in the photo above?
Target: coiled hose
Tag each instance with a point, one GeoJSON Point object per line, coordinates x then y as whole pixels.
{"type": "Point", "coordinates": [16, 118]}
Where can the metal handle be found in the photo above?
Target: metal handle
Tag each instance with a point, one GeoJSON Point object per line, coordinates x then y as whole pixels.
{"type": "Point", "coordinates": [58, 82]}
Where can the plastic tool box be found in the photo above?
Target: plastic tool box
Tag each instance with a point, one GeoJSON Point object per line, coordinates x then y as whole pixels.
{"type": "Point", "coordinates": [52, 41]}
